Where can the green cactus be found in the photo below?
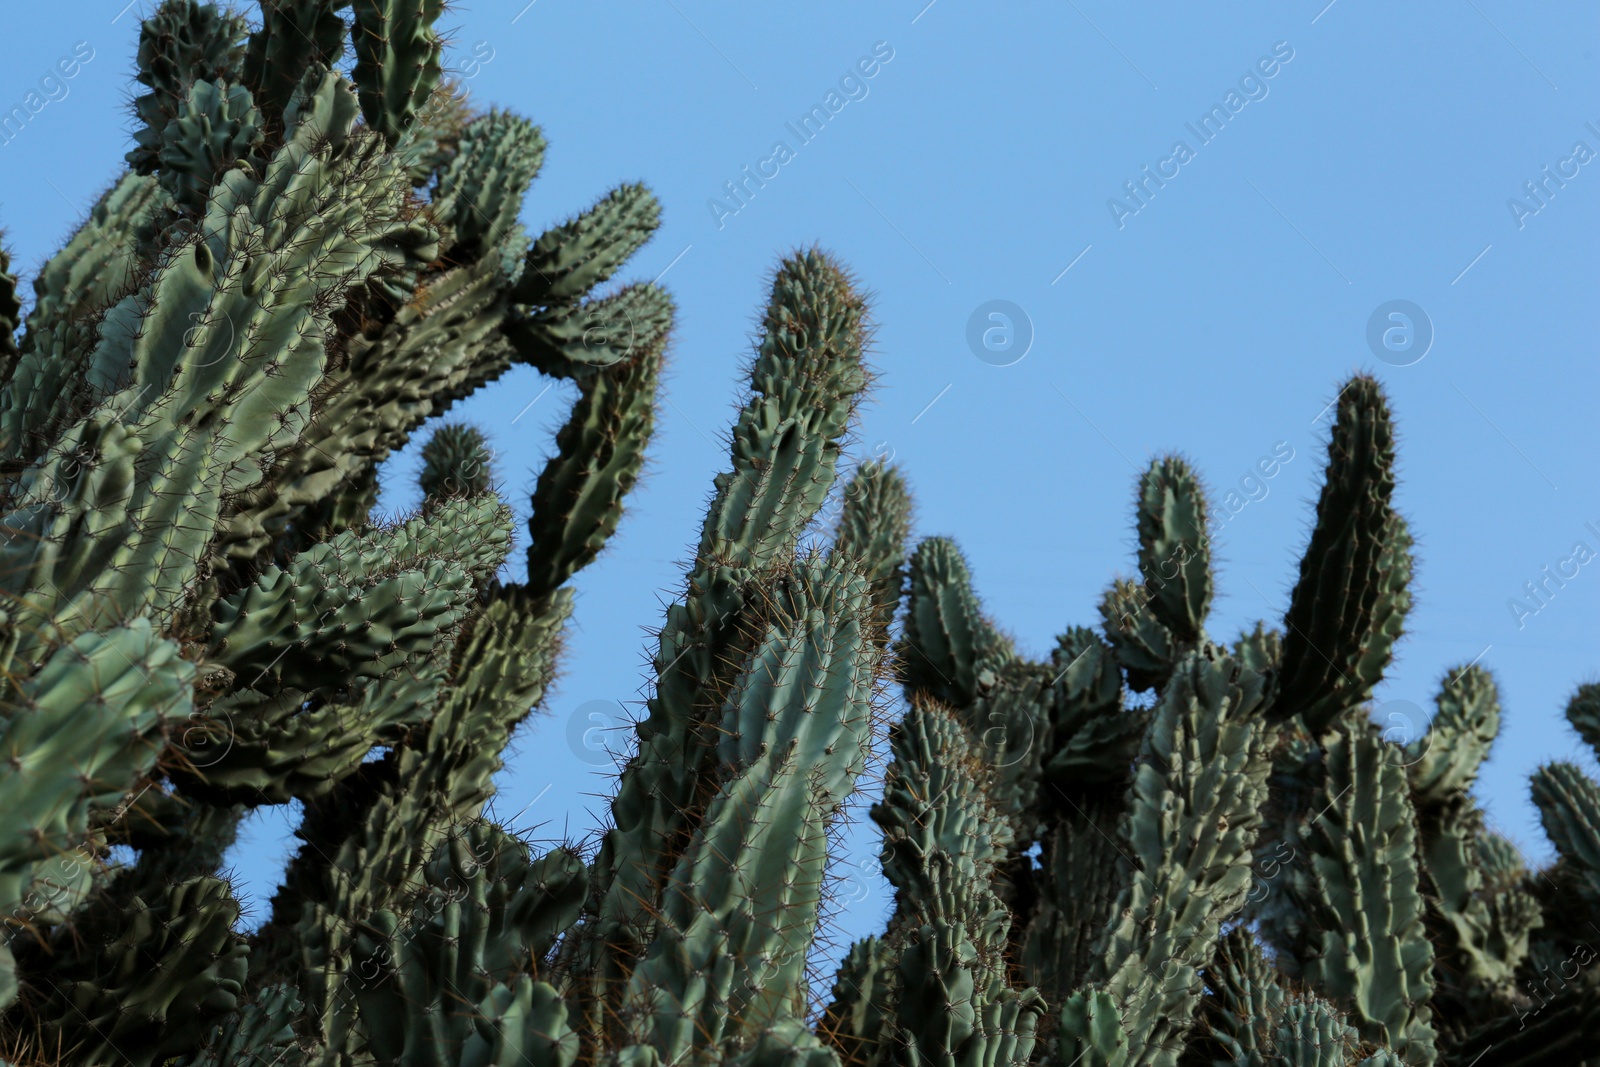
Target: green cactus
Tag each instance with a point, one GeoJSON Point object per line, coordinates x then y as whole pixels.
{"type": "Point", "coordinates": [202, 617]}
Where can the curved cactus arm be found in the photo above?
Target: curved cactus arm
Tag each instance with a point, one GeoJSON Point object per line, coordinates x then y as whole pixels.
{"type": "Point", "coordinates": [805, 380]}
{"type": "Point", "coordinates": [482, 912]}
{"type": "Point", "coordinates": [181, 43]}
{"type": "Point", "coordinates": [367, 839]}
{"type": "Point", "coordinates": [1569, 807]}
{"type": "Point", "coordinates": [1480, 919]}
{"type": "Point", "coordinates": [1174, 547]}
{"type": "Point", "coordinates": [874, 523]}
{"type": "Point", "coordinates": [571, 340]}
{"type": "Point", "coordinates": [1349, 604]}
{"type": "Point", "coordinates": [215, 126]}
{"type": "Point", "coordinates": [577, 502]}
{"type": "Point", "coordinates": [1195, 808]}
{"type": "Point", "coordinates": [740, 909]}
{"type": "Point", "coordinates": [948, 646]}
{"type": "Point", "coordinates": [295, 37]}
{"type": "Point", "coordinates": [1091, 738]}
{"type": "Point", "coordinates": [569, 260]}
{"type": "Point", "coordinates": [1444, 762]}
{"type": "Point", "coordinates": [387, 390]}
{"type": "Point", "coordinates": [450, 338]}
{"type": "Point", "coordinates": [397, 60]}
{"type": "Point", "coordinates": [145, 979]}
{"type": "Point", "coordinates": [431, 142]}
{"type": "Point", "coordinates": [253, 749]}
{"type": "Point", "coordinates": [1364, 945]}
{"type": "Point", "coordinates": [1480, 915]}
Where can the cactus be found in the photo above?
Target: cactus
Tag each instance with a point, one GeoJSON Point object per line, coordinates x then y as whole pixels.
{"type": "Point", "coordinates": [203, 616]}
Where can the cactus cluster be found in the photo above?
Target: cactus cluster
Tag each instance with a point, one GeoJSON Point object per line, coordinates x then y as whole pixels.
{"type": "Point", "coordinates": [1152, 848]}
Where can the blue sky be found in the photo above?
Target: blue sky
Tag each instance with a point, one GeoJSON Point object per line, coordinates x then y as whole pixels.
{"type": "Point", "coordinates": [1367, 155]}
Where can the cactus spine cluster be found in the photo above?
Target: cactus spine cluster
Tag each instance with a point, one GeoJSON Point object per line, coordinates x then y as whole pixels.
{"type": "Point", "coordinates": [1152, 848]}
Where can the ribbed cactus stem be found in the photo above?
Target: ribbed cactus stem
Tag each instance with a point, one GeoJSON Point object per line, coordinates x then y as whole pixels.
{"type": "Point", "coordinates": [1194, 812]}
{"type": "Point", "coordinates": [1350, 601]}
{"type": "Point", "coordinates": [805, 379]}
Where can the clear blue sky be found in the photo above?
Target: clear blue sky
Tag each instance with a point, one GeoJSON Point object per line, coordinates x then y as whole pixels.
{"type": "Point", "coordinates": [1377, 162]}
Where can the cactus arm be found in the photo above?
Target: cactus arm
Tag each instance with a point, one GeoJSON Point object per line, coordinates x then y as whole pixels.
{"type": "Point", "coordinates": [1145, 648]}
{"type": "Point", "coordinates": [1193, 816]}
{"type": "Point", "coordinates": [480, 189]}
{"type": "Point", "coordinates": [10, 317]}
{"type": "Point", "coordinates": [456, 461]}
{"type": "Point", "coordinates": [364, 594]}
{"type": "Point", "coordinates": [947, 642]}
{"type": "Point", "coordinates": [1174, 547]}
{"type": "Point", "coordinates": [1479, 916]}
{"type": "Point", "coordinates": [215, 125]}
{"type": "Point", "coordinates": [858, 1014]}
{"type": "Point", "coordinates": [943, 838]}
{"type": "Point", "coordinates": [312, 227]}
{"type": "Point", "coordinates": [599, 454]}
{"type": "Point", "coordinates": [397, 60]}
{"type": "Point", "coordinates": [805, 378]}
{"type": "Point", "coordinates": [71, 292]}
{"type": "Point", "coordinates": [482, 911]}
{"type": "Point", "coordinates": [1366, 946]}
{"type": "Point", "coordinates": [740, 908]}
{"type": "Point", "coordinates": [1348, 606]}
{"type": "Point", "coordinates": [569, 260]}
{"type": "Point", "coordinates": [1247, 998]}
{"type": "Point", "coordinates": [181, 44]}
{"type": "Point", "coordinates": [74, 737]}
{"type": "Point", "coordinates": [1569, 806]}
{"type": "Point", "coordinates": [295, 36]}
{"type": "Point", "coordinates": [873, 526]}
